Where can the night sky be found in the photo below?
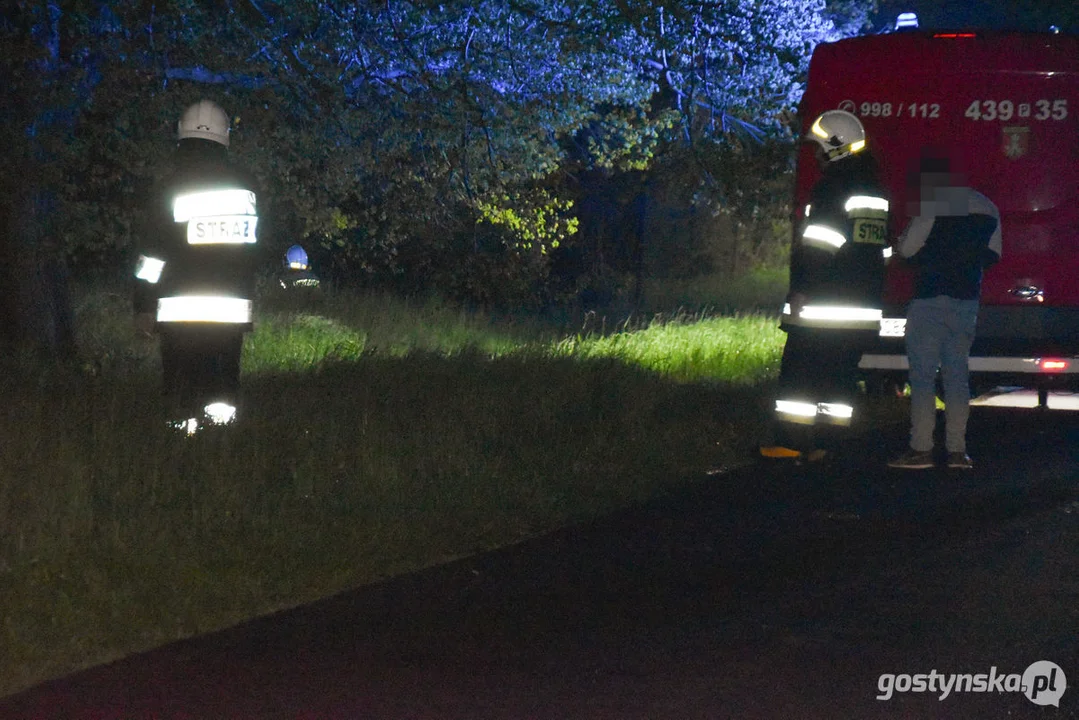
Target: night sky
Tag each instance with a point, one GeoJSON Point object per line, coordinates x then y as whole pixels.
{"type": "Point", "coordinates": [1033, 15]}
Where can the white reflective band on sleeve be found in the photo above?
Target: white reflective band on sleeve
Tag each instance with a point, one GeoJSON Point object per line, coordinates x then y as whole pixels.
{"type": "Point", "coordinates": [886, 252]}
{"type": "Point", "coordinates": [866, 202]}
{"type": "Point", "coordinates": [825, 235]}
{"type": "Point", "coordinates": [801, 409]}
{"type": "Point", "coordinates": [893, 327]}
{"type": "Point", "coordinates": [839, 313]}
{"type": "Point", "coordinates": [838, 410]}
{"type": "Point", "coordinates": [809, 209]}
{"type": "Point", "coordinates": [149, 269]}
{"type": "Point", "coordinates": [204, 308]}
{"type": "Point", "coordinates": [213, 202]}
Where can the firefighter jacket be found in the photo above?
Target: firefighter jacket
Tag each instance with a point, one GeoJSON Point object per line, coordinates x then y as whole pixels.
{"type": "Point", "coordinates": [197, 254]}
{"type": "Point", "coordinates": [838, 255]}
{"type": "Point", "coordinates": [300, 278]}
{"type": "Point", "coordinates": [952, 240]}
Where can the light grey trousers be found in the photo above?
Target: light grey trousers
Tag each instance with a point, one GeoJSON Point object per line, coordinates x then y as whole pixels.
{"type": "Point", "coordinates": [939, 334]}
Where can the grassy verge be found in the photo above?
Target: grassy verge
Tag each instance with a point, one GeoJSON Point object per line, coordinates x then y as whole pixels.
{"type": "Point", "coordinates": [377, 437]}
{"type": "Point", "coordinates": [738, 350]}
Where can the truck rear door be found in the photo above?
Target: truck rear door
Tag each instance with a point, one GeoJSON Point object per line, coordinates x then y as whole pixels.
{"type": "Point", "coordinates": [1006, 109]}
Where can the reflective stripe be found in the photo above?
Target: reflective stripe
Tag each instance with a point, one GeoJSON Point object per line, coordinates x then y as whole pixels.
{"type": "Point", "coordinates": [801, 409]}
{"type": "Point", "coordinates": [893, 327]}
{"type": "Point", "coordinates": [840, 313]}
{"type": "Point", "coordinates": [839, 420]}
{"type": "Point", "coordinates": [887, 252]}
{"type": "Point", "coordinates": [798, 412]}
{"type": "Point", "coordinates": [857, 146]}
{"type": "Point", "coordinates": [149, 269]}
{"type": "Point", "coordinates": [837, 312]}
{"type": "Point", "coordinates": [866, 202]}
{"type": "Point", "coordinates": [806, 413]}
{"type": "Point", "coordinates": [204, 308]}
{"type": "Point", "coordinates": [809, 209]}
{"type": "Point", "coordinates": [220, 413]}
{"type": "Point", "coordinates": [213, 202]}
{"type": "Point", "coordinates": [834, 316]}
{"type": "Point", "coordinates": [836, 410]}
{"type": "Point", "coordinates": [823, 235]}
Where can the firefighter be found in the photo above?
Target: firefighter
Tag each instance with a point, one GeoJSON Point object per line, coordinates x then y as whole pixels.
{"type": "Point", "coordinates": [296, 270]}
{"type": "Point", "coordinates": [833, 307]}
{"type": "Point", "coordinates": [196, 272]}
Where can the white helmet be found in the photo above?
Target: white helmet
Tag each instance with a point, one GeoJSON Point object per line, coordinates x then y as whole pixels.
{"type": "Point", "coordinates": [839, 133]}
{"type": "Point", "coordinates": [206, 120]}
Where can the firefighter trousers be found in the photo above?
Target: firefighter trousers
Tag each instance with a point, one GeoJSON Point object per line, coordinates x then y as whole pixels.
{"type": "Point", "coordinates": [817, 381]}
{"type": "Point", "coordinates": [200, 365]}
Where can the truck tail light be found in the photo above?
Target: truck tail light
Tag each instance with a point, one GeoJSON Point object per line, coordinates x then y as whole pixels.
{"type": "Point", "coordinates": [1053, 365]}
{"type": "Point", "coordinates": [952, 36]}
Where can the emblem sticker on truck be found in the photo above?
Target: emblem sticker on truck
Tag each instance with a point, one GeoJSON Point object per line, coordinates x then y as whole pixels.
{"type": "Point", "coordinates": [1016, 142]}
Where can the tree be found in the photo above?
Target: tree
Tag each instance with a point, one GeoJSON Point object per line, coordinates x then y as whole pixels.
{"type": "Point", "coordinates": [715, 142]}
{"type": "Point", "coordinates": [411, 138]}
{"type": "Point", "coordinates": [40, 99]}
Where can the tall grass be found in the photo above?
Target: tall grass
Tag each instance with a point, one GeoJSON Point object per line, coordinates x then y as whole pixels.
{"type": "Point", "coordinates": [739, 350]}
{"type": "Point", "coordinates": [299, 334]}
{"type": "Point", "coordinates": [376, 437]}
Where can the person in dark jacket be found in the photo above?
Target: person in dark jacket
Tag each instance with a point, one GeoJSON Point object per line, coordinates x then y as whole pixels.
{"type": "Point", "coordinates": [196, 272]}
{"type": "Point", "coordinates": [833, 307]}
{"type": "Point", "coordinates": [955, 235]}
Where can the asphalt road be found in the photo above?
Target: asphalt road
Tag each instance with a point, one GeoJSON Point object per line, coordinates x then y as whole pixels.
{"type": "Point", "coordinates": [770, 591]}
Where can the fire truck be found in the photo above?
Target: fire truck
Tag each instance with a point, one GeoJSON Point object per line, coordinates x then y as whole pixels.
{"type": "Point", "coordinates": [1005, 106]}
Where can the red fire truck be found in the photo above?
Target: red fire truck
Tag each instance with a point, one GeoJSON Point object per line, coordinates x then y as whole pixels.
{"type": "Point", "coordinates": [1006, 108]}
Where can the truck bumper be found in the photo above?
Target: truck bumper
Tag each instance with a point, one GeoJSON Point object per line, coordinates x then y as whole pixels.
{"type": "Point", "coordinates": [1000, 355]}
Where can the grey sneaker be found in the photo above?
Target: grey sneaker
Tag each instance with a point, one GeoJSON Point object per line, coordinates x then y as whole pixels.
{"type": "Point", "coordinates": [913, 460]}
{"type": "Point", "coordinates": [960, 461]}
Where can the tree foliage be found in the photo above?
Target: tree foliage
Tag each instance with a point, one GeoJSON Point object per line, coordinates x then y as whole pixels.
{"type": "Point", "coordinates": [410, 138]}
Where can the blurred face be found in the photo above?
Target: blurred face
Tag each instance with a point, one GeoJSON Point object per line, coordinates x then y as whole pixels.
{"type": "Point", "coordinates": [937, 195]}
